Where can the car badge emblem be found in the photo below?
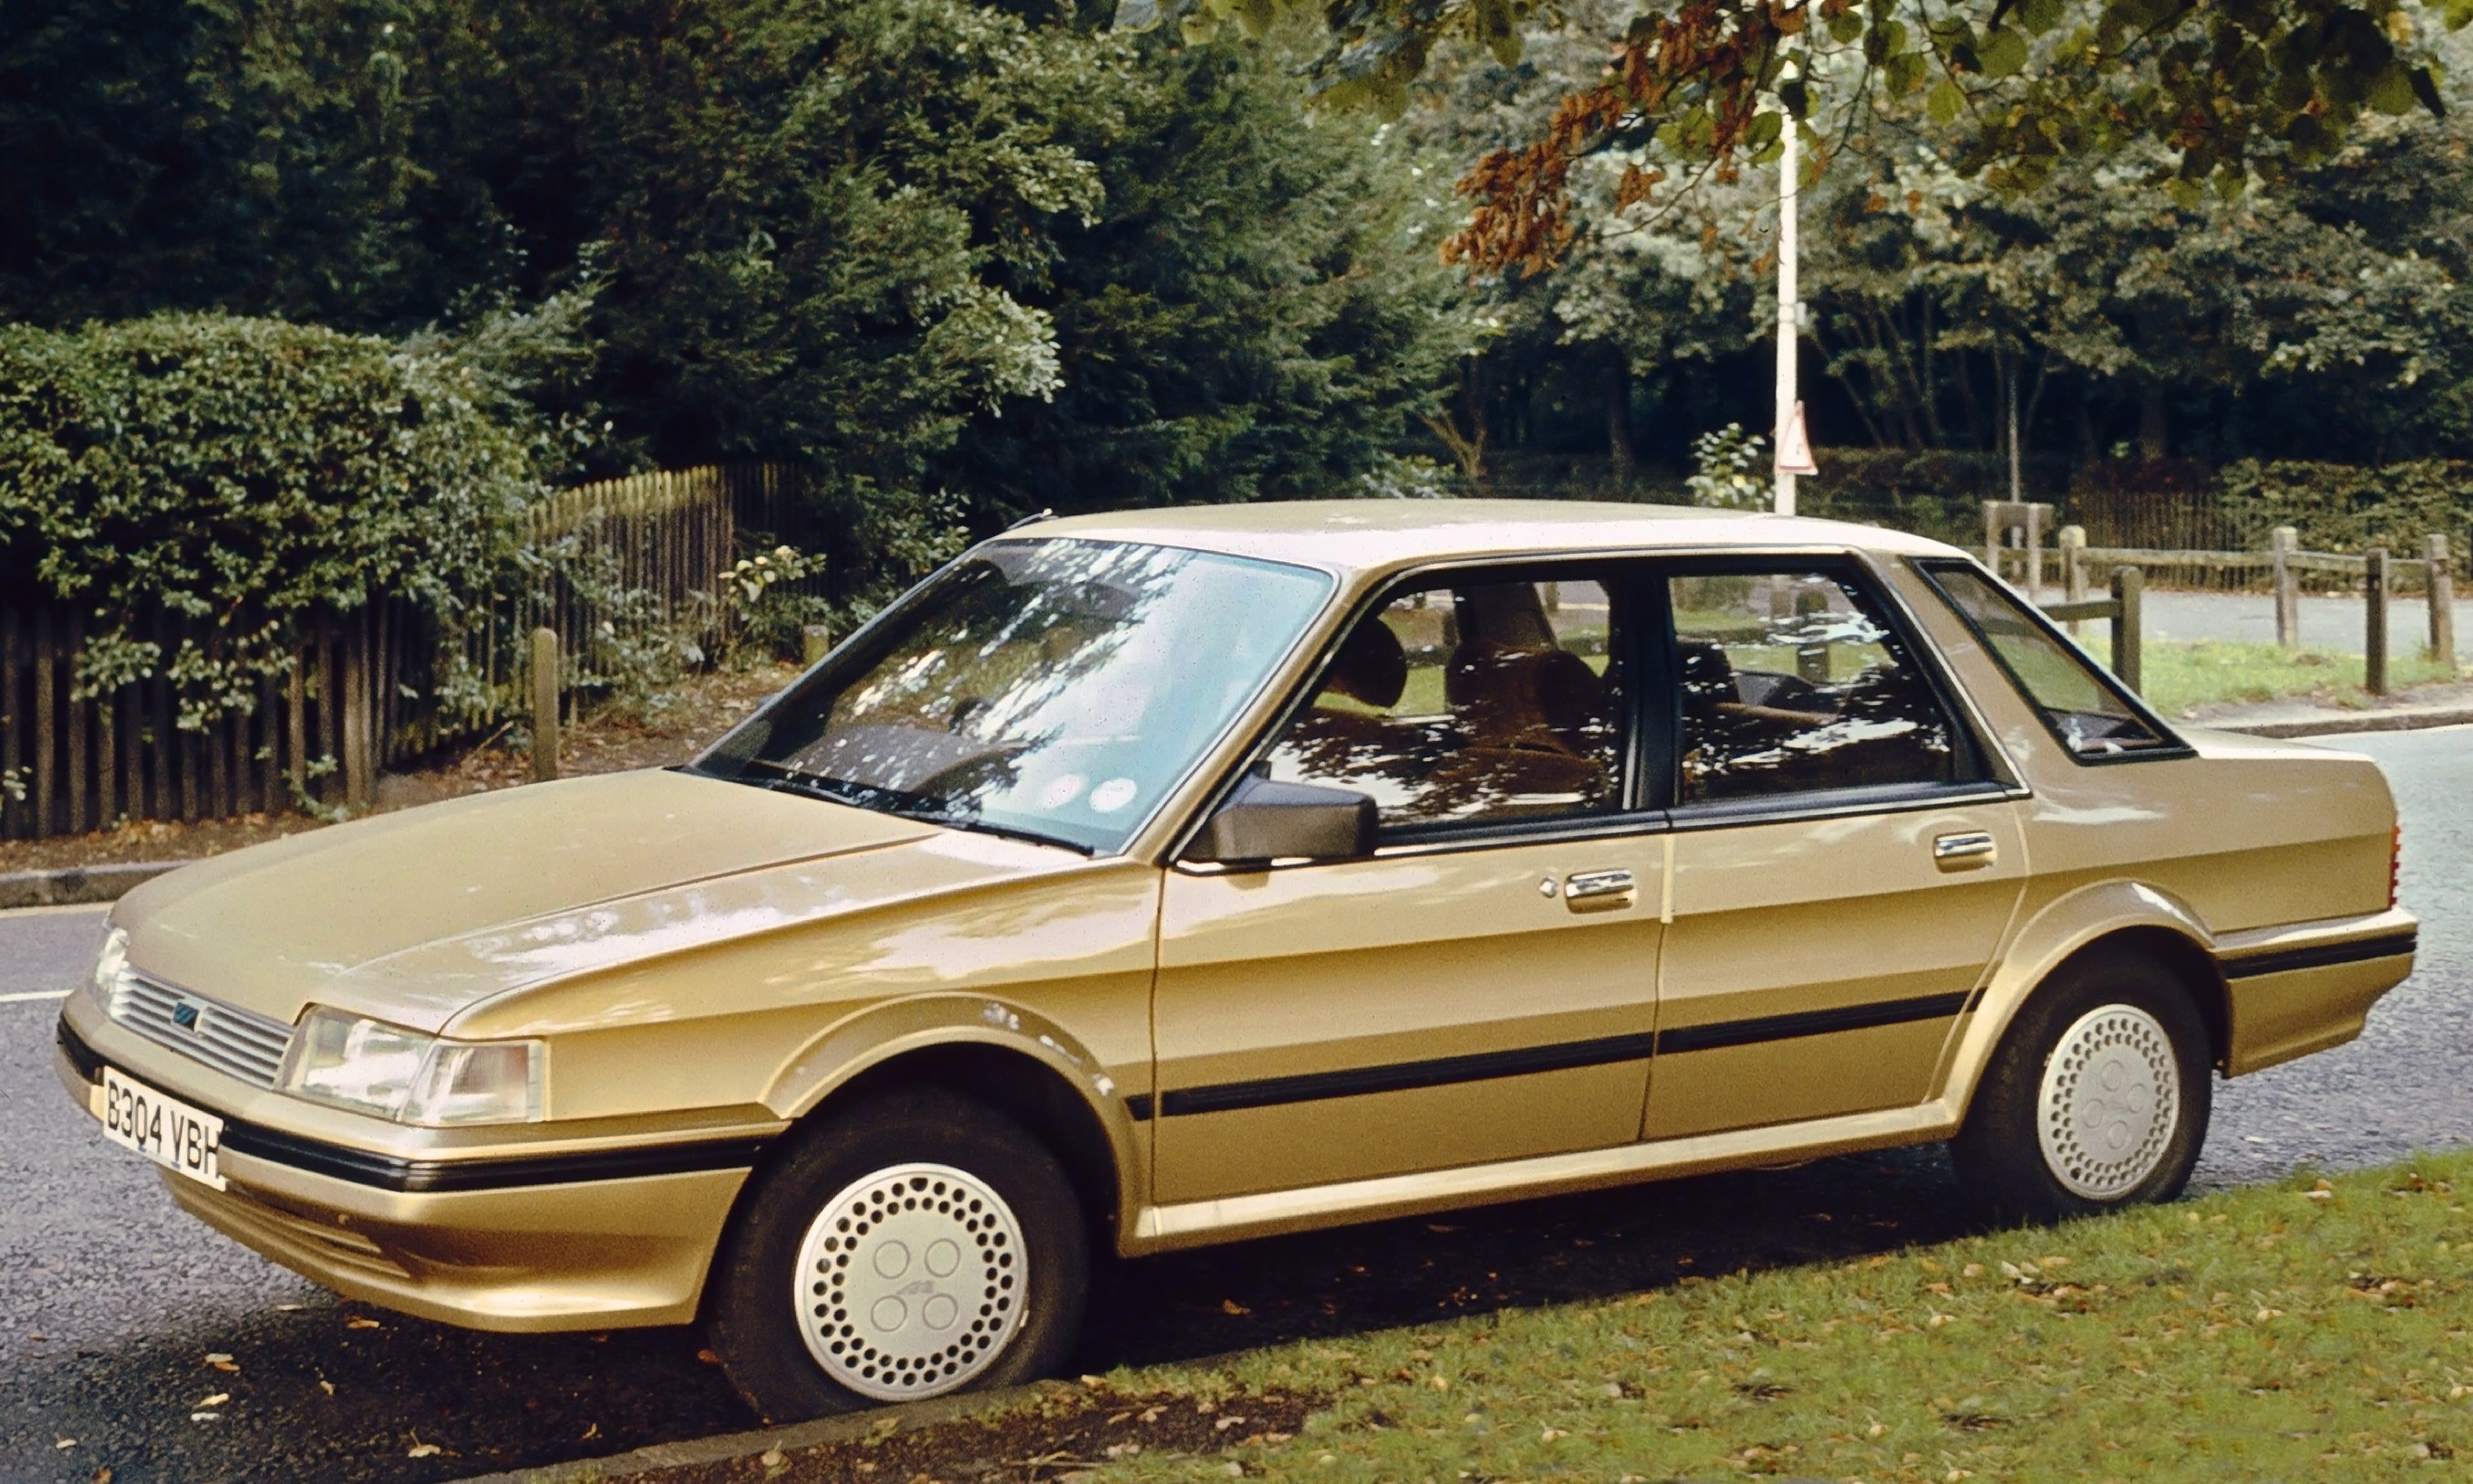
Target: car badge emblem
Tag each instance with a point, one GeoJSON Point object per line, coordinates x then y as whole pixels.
{"type": "Point", "coordinates": [185, 1016]}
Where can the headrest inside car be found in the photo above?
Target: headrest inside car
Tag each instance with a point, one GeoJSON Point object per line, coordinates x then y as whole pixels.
{"type": "Point", "coordinates": [1371, 666]}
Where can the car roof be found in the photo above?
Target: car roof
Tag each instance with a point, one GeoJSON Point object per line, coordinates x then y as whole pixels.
{"type": "Point", "coordinates": [1351, 535]}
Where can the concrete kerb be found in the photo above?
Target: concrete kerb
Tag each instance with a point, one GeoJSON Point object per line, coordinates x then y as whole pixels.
{"type": "Point", "coordinates": [2397, 719]}
{"type": "Point", "coordinates": [78, 885]}
{"type": "Point", "coordinates": [731, 1446]}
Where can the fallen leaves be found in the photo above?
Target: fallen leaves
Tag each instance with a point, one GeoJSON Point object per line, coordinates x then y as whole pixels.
{"type": "Point", "coordinates": [422, 1451]}
{"type": "Point", "coordinates": [362, 1321]}
{"type": "Point", "coordinates": [1232, 1306]}
{"type": "Point", "coordinates": [222, 1362]}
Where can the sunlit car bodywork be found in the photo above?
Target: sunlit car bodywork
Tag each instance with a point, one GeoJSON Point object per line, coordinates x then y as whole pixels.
{"type": "Point", "coordinates": [1165, 878]}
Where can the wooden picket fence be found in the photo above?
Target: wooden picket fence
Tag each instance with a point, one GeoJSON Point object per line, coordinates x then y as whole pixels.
{"type": "Point", "coordinates": [361, 692]}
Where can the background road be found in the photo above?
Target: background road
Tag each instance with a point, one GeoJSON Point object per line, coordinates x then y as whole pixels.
{"type": "Point", "coordinates": [110, 1302]}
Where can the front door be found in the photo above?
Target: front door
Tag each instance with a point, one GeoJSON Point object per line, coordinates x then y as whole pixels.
{"type": "Point", "coordinates": [1844, 865]}
{"type": "Point", "coordinates": [1482, 988]}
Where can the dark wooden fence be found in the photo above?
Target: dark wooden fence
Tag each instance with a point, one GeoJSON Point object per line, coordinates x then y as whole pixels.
{"type": "Point", "coordinates": [362, 693]}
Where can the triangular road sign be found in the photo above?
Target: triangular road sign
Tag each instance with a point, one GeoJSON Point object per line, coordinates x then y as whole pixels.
{"type": "Point", "coordinates": [1794, 446]}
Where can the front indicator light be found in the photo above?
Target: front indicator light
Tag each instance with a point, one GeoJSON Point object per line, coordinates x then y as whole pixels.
{"type": "Point", "coordinates": [372, 1068]}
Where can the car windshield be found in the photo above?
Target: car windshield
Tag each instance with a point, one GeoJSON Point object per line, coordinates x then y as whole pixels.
{"type": "Point", "coordinates": [1051, 690]}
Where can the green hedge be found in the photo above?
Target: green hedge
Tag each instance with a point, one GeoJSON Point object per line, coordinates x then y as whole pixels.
{"type": "Point", "coordinates": [249, 477]}
{"type": "Point", "coordinates": [2351, 508]}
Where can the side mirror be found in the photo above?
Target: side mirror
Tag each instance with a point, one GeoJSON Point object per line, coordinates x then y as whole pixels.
{"type": "Point", "coordinates": [1265, 822]}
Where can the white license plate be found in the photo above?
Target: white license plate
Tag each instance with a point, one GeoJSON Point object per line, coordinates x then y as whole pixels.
{"type": "Point", "coordinates": [163, 1129]}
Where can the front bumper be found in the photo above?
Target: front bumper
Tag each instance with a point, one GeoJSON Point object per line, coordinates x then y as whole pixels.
{"type": "Point", "coordinates": [580, 1235]}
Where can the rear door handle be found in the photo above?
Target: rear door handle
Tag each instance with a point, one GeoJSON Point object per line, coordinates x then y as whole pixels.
{"type": "Point", "coordinates": [1963, 849]}
{"type": "Point", "coordinates": [1596, 891]}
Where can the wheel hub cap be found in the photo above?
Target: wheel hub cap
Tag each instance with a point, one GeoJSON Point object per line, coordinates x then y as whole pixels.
{"type": "Point", "coordinates": [910, 1281]}
{"type": "Point", "coordinates": [2110, 1101]}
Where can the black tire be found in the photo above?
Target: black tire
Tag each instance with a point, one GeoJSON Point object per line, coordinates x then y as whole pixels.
{"type": "Point", "coordinates": [757, 1316]}
{"type": "Point", "coordinates": [2001, 1152]}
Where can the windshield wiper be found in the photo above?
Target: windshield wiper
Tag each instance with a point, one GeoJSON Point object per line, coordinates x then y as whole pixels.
{"type": "Point", "coordinates": [878, 800]}
{"type": "Point", "coordinates": [981, 826]}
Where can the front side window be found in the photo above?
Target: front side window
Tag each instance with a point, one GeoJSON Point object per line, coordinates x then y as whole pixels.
{"type": "Point", "coordinates": [2091, 714]}
{"type": "Point", "coordinates": [1056, 689]}
{"type": "Point", "coordinates": [1475, 699]}
{"type": "Point", "coordinates": [1794, 682]}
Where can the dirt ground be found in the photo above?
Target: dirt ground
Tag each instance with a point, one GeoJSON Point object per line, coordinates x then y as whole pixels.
{"type": "Point", "coordinates": [1053, 1442]}
{"type": "Point", "coordinates": [691, 717]}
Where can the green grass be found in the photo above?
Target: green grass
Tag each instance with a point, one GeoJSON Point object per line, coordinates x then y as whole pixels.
{"type": "Point", "coordinates": [2180, 676]}
{"type": "Point", "coordinates": [2283, 1332]}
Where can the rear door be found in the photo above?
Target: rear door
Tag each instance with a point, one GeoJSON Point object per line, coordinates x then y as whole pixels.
{"type": "Point", "coordinates": [1483, 988]}
{"type": "Point", "coordinates": [1846, 861]}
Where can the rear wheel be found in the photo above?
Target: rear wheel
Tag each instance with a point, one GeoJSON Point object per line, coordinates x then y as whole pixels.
{"type": "Point", "coordinates": [915, 1245]}
{"type": "Point", "coordinates": [2097, 1098]}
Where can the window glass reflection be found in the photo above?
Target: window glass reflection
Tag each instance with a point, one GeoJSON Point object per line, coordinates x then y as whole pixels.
{"type": "Point", "coordinates": [1474, 700]}
{"type": "Point", "coordinates": [1791, 682]}
{"type": "Point", "coordinates": [2079, 701]}
{"type": "Point", "coordinates": [1053, 688]}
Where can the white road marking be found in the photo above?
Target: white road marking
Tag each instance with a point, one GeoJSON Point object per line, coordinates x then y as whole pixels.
{"type": "Point", "coordinates": [19, 999]}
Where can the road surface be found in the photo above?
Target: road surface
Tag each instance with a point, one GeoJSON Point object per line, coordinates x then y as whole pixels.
{"type": "Point", "coordinates": [111, 1303]}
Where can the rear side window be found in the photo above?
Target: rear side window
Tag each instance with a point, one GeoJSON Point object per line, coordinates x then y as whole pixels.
{"type": "Point", "coordinates": [2084, 707]}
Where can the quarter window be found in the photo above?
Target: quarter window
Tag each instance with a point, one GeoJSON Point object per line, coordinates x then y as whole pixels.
{"type": "Point", "coordinates": [1469, 700]}
{"type": "Point", "coordinates": [2093, 716]}
{"type": "Point", "coordinates": [1792, 682]}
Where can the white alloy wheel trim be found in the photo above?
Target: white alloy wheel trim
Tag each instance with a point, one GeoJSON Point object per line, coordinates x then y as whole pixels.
{"type": "Point", "coordinates": [911, 1282]}
{"type": "Point", "coordinates": [2110, 1101]}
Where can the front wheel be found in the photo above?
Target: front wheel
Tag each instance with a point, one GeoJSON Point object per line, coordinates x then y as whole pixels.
{"type": "Point", "coordinates": [915, 1245]}
{"type": "Point", "coordinates": [2097, 1098]}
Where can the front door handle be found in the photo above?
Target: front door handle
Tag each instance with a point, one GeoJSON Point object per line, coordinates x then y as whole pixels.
{"type": "Point", "coordinates": [1965, 849]}
{"type": "Point", "coordinates": [1597, 890]}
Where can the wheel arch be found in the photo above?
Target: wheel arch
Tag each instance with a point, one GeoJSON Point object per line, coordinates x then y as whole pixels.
{"type": "Point", "coordinates": [2113, 917]}
{"type": "Point", "coordinates": [992, 1052]}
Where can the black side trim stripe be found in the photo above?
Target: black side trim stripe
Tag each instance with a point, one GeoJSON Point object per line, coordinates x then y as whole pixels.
{"type": "Point", "coordinates": [1810, 1023]}
{"type": "Point", "coordinates": [1528, 1061]}
{"type": "Point", "coordinates": [440, 1177]}
{"type": "Point", "coordinates": [1402, 1076]}
{"type": "Point", "coordinates": [2322, 955]}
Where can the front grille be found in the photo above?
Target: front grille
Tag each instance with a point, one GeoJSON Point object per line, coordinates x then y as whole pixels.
{"type": "Point", "coordinates": [232, 1042]}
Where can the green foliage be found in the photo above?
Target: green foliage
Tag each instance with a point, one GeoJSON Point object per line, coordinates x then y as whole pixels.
{"type": "Point", "coordinates": [1252, 313]}
{"type": "Point", "coordinates": [246, 477]}
{"type": "Point", "coordinates": [2351, 508]}
{"type": "Point", "coordinates": [1729, 469]}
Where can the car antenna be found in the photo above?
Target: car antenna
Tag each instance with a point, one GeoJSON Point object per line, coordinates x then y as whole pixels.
{"type": "Point", "coordinates": [1032, 519]}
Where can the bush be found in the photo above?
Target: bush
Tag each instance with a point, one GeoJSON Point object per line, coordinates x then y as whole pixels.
{"type": "Point", "coordinates": [251, 477]}
{"type": "Point", "coordinates": [2352, 507]}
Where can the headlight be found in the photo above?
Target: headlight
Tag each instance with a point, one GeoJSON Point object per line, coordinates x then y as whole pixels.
{"type": "Point", "coordinates": [374, 1067]}
{"type": "Point", "coordinates": [110, 958]}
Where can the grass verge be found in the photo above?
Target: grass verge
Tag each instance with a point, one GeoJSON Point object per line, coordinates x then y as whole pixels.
{"type": "Point", "coordinates": [2313, 1329]}
{"type": "Point", "coordinates": [2180, 676]}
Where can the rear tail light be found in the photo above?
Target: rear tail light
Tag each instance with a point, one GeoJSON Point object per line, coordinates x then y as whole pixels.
{"type": "Point", "coordinates": [2395, 861]}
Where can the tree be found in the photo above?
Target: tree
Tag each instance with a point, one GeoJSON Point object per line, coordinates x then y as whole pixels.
{"type": "Point", "coordinates": [1256, 310]}
{"type": "Point", "coordinates": [2227, 90]}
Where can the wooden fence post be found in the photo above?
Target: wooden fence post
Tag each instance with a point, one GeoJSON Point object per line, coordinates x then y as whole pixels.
{"type": "Point", "coordinates": [2374, 614]}
{"type": "Point", "coordinates": [2073, 541]}
{"type": "Point", "coordinates": [2128, 586]}
{"type": "Point", "coordinates": [2036, 510]}
{"type": "Point", "coordinates": [2442, 602]}
{"type": "Point", "coordinates": [2281, 545]}
{"type": "Point", "coordinates": [544, 705]}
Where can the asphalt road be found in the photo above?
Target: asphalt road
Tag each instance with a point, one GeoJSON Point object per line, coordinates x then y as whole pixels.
{"type": "Point", "coordinates": [111, 1303]}
{"type": "Point", "coordinates": [2335, 623]}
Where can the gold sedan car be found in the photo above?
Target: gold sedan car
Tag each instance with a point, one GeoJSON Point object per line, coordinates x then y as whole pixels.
{"type": "Point", "coordinates": [1158, 879]}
